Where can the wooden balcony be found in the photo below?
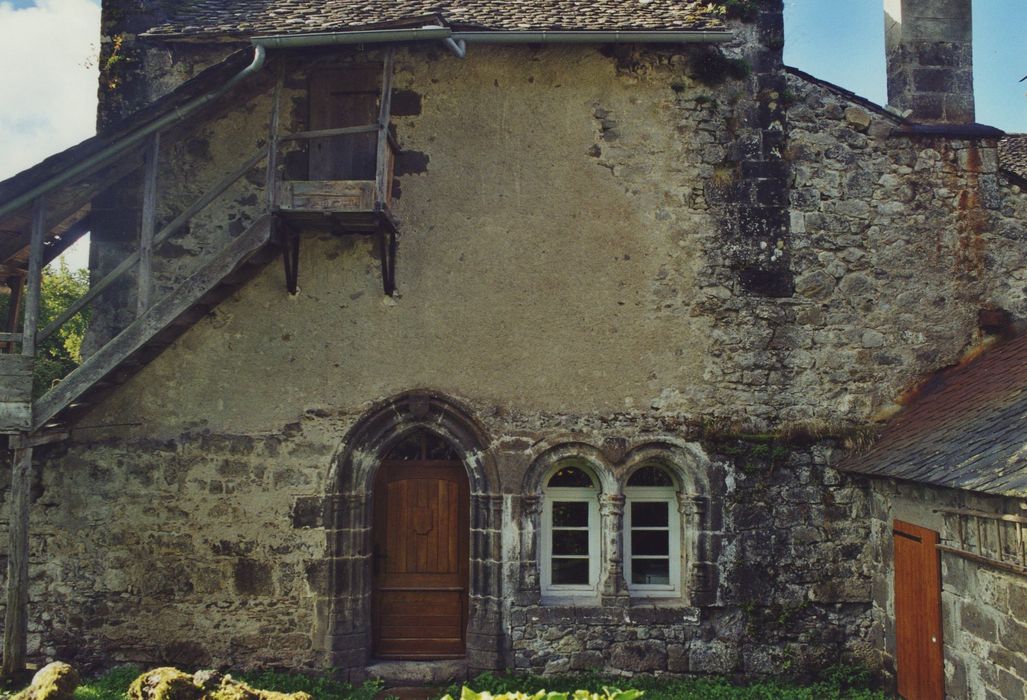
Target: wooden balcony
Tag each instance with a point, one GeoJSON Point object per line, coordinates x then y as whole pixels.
{"type": "Point", "coordinates": [341, 206]}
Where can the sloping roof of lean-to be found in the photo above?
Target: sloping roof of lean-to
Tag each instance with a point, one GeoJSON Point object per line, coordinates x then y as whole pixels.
{"type": "Point", "coordinates": [966, 429]}
{"type": "Point", "coordinates": [1012, 154]}
{"type": "Point", "coordinates": [250, 17]}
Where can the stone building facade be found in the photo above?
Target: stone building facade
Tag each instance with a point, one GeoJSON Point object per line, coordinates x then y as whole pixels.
{"type": "Point", "coordinates": [612, 257]}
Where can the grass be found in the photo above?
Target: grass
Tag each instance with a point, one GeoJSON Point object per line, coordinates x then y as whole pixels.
{"type": "Point", "coordinates": [840, 683]}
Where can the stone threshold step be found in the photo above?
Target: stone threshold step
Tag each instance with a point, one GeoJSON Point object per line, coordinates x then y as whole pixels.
{"type": "Point", "coordinates": [424, 675]}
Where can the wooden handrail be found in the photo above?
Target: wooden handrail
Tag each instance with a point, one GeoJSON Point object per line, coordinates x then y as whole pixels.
{"type": "Point", "coordinates": [320, 133]}
{"type": "Point", "coordinates": [982, 514]}
{"type": "Point", "coordinates": [158, 239]}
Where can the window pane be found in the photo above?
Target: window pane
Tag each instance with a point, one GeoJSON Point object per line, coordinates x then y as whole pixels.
{"type": "Point", "coordinates": [571, 477]}
{"type": "Point", "coordinates": [570, 572]}
{"type": "Point", "coordinates": [439, 448]}
{"type": "Point", "coordinates": [570, 542]}
{"type": "Point", "coordinates": [408, 448]}
{"type": "Point", "coordinates": [570, 514]}
{"type": "Point", "coordinates": [651, 476]}
{"type": "Point", "coordinates": [652, 542]}
{"type": "Point", "coordinates": [650, 571]}
{"type": "Point", "coordinates": [649, 513]}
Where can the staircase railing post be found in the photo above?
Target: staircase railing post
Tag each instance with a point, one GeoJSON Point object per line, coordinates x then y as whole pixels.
{"type": "Point", "coordinates": [384, 113]}
{"type": "Point", "coordinates": [271, 184]}
{"type": "Point", "coordinates": [16, 616]}
{"type": "Point", "coordinates": [16, 283]}
{"type": "Point", "coordinates": [34, 280]}
{"type": "Point", "coordinates": [148, 224]}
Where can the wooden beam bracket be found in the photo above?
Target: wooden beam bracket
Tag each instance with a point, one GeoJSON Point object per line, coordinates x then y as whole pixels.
{"type": "Point", "coordinates": [289, 237]}
{"type": "Point", "coordinates": [387, 246]}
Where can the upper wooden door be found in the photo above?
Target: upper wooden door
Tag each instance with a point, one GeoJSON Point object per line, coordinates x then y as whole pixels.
{"type": "Point", "coordinates": [918, 640]}
{"type": "Point", "coordinates": [341, 98]}
{"type": "Point", "coordinates": [421, 532]}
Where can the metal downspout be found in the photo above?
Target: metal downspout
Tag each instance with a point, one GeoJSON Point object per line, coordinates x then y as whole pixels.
{"type": "Point", "coordinates": [177, 114]}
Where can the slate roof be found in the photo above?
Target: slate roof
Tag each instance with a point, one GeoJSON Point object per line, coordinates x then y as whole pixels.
{"type": "Point", "coordinates": [1012, 154]}
{"type": "Point", "coordinates": [966, 429]}
{"type": "Point", "coordinates": [250, 17]}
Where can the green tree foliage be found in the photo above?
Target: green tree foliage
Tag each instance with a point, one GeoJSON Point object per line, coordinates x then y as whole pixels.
{"type": "Point", "coordinates": [62, 351]}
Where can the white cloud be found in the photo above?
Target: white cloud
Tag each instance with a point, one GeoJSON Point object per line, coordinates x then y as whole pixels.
{"type": "Point", "coordinates": [48, 78]}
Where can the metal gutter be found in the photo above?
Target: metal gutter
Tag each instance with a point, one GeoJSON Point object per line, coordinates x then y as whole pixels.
{"type": "Point", "coordinates": [371, 36]}
{"type": "Point", "coordinates": [596, 37]}
{"type": "Point", "coordinates": [174, 115]}
{"type": "Point", "coordinates": [453, 38]}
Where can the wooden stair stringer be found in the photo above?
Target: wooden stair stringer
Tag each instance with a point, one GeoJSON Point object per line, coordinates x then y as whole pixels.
{"type": "Point", "coordinates": [154, 330]}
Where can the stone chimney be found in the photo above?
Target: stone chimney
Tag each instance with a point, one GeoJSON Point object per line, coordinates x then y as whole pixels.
{"type": "Point", "coordinates": [930, 60]}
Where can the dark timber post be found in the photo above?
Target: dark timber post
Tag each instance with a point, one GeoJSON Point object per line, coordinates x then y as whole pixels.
{"type": "Point", "coordinates": [16, 621]}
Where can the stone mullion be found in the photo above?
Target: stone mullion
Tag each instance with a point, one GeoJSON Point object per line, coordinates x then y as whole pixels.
{"type": "Point", "coordinates": [612, 585]}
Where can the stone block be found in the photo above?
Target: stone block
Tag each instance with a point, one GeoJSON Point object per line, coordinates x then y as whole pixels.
{"type": "Point", "coordinates": [976, 622]}
{"type": "Point", "coordinates": [253, 578]}
{"type": "Point", "coordinates": [1009, 685]}
{"type": "Point", "coordinates": [677, 658]}
{"type": "Point", "coordinates": [1018, 600]}
{"type": "Point", "coordinates": [308, 511]}
{"type": "Point", "coordinates": [587, 661]}
{"type": "Point", "coordinates": [712, 657]}
{"type": "Point", "coordinates": [643, 656]}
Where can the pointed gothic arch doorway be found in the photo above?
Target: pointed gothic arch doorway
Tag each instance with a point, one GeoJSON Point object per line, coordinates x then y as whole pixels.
{"type": "Point", "coordinates": [420, 563]}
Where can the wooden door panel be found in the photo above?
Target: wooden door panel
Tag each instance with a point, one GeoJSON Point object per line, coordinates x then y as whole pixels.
{"type": "Point", "coordinates": [421, 573]}
{"type": "Point", "coordinates": [341, 98]}
{"type": "Point", "coordinates": [918, 639]}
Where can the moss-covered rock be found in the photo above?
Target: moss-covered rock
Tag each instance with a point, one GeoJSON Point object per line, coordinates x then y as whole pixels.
{"type": "Point", "coordinates": [164, 683]}
{"type": "Point", "coordinates": [55, 681]}
{"type": "Point", "coordinates": [172, 684]}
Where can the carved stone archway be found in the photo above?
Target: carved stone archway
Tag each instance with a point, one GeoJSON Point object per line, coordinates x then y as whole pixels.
{"type": "Point", "coordinates": [349, 515]}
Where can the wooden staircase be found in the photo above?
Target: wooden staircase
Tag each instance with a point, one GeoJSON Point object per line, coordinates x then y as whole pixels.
{"type": "Point", "coordinates": [158, 327]}
{"type": "Point", "coordinates": [38, 229]}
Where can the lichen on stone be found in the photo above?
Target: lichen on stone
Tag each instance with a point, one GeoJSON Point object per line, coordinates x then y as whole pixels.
{"type": "Point", "coordinates": [169, 683]}
{"type": "Point", "coordinates": [55, 681]}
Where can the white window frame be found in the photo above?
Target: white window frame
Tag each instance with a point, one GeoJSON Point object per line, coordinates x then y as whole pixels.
{"type": "Point", "coordinates": [574, 495]}
{"type": "Point", "coordinates": [655, 494]}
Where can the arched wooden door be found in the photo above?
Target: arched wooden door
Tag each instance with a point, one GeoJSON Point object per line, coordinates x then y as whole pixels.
{"type": "Point", "coordinates": [421, 533]}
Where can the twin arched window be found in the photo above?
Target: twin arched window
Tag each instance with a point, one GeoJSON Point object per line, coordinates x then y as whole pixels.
{"type": "Point", "coordinates": [571, 553]}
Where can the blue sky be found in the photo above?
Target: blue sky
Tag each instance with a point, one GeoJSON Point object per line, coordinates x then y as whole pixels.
{"type": "Point", "coordinates": [842, 41]}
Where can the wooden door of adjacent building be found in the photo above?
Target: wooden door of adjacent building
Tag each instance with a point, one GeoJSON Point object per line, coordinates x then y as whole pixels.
{"type": "Point", "coordinates": [918, 640]}
{"type": "Point", "coordinates": [342, 98]}
{"type": "Point", "coordinates": [421, 559]}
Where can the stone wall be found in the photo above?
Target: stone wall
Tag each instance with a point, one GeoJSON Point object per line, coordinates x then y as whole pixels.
{"type": "Point", "coordinates": [602, 249]}
{"type": "Point", "coordinates": [984, 608]}
{"type": "Point", "coordinates": [215, 549]}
